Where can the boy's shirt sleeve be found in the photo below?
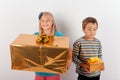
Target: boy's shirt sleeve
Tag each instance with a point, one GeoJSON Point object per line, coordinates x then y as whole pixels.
{"type": "Point", "coordinates": [100, 51]}
{"type": "Point", "coordinates": [75, 53]}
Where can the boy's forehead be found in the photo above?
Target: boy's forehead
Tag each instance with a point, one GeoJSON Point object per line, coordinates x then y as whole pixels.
{"type": "Point", "coordinates": [91, 25]}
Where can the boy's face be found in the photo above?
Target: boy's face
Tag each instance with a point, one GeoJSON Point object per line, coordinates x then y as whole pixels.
{"type": "Point", "coordinates": [46, 22]}
{"type": "Point", "coordinates": [90, 30]}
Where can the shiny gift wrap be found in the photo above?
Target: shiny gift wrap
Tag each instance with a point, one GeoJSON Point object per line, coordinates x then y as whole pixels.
{"type": "Point", "coordinates": [27, 55]}
{"type": "Point", "coordinates": [96, 66]}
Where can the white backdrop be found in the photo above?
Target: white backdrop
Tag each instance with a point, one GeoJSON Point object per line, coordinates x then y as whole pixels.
{"type": "Point", "coordinates": [21, 16]}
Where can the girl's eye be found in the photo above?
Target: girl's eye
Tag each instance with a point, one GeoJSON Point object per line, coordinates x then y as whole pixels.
{"type": "Point", "coordinates": [42, 20]}
{"type": "Point", "coordinates": [45, 20]}
{"type": "Point", "coordinates": [48, 20]}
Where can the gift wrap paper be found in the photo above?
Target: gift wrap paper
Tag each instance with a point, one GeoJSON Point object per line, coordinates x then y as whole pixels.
{"type": "Point", "coordinates": [97, 66]}
{"type": "Point", "coordinates": [27, 55]}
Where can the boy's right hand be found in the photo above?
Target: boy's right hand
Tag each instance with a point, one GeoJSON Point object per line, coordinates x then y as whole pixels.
{"type": "Point", "coordinates": [84, 66]}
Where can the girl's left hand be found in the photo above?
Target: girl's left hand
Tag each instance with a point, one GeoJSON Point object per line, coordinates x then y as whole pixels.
{"type": "Point", "coordinates": [69, 58]}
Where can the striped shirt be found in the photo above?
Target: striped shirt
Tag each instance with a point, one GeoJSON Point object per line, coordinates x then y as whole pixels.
{"type": "Point", "coordinates": [84, 49]}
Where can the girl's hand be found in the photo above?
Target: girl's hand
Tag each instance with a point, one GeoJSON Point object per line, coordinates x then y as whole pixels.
{"type": "Point", "coordinates": [69, 58]}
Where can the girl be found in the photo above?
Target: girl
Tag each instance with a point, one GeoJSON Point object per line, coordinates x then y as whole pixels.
{"type": "Point", "coordinates": [47, 26]}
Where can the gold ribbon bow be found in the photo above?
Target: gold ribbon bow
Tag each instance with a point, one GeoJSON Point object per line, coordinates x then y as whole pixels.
{"type": "Point", "coordinates": [42, 38]}
{"type": "Point", "coordinates": [93, 60]}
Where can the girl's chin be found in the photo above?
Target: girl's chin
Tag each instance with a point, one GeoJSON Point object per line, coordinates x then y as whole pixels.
{"type": "Point", "coordinates": [45, 28]}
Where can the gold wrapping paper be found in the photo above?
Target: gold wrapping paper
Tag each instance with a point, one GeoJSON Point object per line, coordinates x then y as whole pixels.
{"type": "Point", "coordinates": [96, 66]}
{"type": "Point", "coordinates": [27, 55]}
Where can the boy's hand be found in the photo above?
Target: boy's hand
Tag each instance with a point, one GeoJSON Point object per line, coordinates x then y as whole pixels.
{"type": "Point", "coordinates": [84, 66]}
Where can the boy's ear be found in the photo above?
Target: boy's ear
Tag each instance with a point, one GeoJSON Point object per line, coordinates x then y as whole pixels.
{"type": "Point", "coordinates": [83, 30]}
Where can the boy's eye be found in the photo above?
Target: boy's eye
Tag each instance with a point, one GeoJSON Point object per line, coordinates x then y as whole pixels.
{"type": "Point", "coordinates": [89, 29]}
{"type": "Point", "coordinates": [92, 29]}
{"type": "Point", "coordinates": [95, 29]}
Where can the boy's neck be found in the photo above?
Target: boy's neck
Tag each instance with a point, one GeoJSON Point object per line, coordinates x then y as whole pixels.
{"type": "Point", "coordinates": [87, 38]}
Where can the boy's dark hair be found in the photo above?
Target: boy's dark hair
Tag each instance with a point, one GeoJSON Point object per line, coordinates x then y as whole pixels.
{"type": "Point", "coordinates": [88, 20]}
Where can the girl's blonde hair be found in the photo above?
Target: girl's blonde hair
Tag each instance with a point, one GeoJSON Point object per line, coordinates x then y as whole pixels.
{"type": "Point", "coordinates": [53, 27]}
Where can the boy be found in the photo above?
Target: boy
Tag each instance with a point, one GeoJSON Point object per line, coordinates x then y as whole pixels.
{"type": "Point", "coordinates": [87, 47]}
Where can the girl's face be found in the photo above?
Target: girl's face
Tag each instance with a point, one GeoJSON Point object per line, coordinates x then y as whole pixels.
{"type": "Point", "coordinates": [46, 22]}
{"type": "Point", "coordinates": [90, 30]}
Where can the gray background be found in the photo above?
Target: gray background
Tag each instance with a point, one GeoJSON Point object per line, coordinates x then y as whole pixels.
{"type": "Point", "coordinates": [21, 16]}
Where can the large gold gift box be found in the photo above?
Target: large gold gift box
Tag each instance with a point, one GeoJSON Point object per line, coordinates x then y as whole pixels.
{"type": "Point", "coordinates": [97, 66]}
{"type": "Point", "coordinates": [27, 55]}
